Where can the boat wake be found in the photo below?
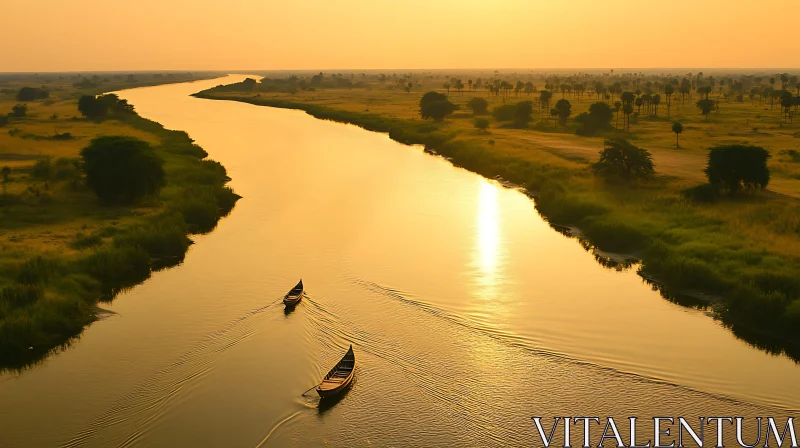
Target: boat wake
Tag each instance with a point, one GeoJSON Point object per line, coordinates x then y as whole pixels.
{"type": "Point", "coordinates": [150, 400]}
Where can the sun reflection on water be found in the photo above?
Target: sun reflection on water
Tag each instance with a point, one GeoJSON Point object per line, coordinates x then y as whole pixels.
{"type": "Point", "coordinates": [489, 255]}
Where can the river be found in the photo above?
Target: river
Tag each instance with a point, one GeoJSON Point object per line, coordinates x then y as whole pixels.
{"type": "Point", "coordinates": [468, 313]}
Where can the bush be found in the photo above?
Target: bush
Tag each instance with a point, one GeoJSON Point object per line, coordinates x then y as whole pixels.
{"type": "Point", "coordinates": [3, 120]}
{"type": "Point", "coordinates": [621, 159]}
{"type": "Point", "coordinates": [42, 169]}
{"type": "Point", "coordinates": [737, 167]}
{"type": "Point", "coordinates": [479, 106]}
{"type": "Point", "coordinates": [481, 123]}
{"type": "Point", "coordinates": [20, 110]}
{"type": "Point", "coordinates": [122, 170]}
{"type": "Point", "coordinates": [702, 193]}
{"type": "Point", "coordinates": [504, 112]}
{"type": "Point", "coordinates": [32, 94]}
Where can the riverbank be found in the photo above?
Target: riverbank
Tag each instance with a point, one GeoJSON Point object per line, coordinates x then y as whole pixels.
{"type": "Point", "coordinates": [63, 252]}
{"type": "Point", "coordinates": [743, 250]}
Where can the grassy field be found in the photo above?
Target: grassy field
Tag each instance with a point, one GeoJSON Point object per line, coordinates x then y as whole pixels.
{"type": "Point", "coordinates": [741, 255]}
{"type": "Point", "coordinates": [60, 250]}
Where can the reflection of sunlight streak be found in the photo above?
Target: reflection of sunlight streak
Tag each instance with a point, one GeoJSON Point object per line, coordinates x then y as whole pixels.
{"type": "Point", "coordinates": [488, 230]}
{"type": "Point", "coordinates": [488, 259]}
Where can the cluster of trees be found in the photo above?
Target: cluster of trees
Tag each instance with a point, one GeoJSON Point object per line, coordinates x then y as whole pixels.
{"type": "Point", "coordinates": [293, 84]}
{"type": "Point", "coordinates": [32, 94]}
{"type": "Point", "coordinates": [122, 170]}
{"type": "Point", "coordinates": [99, 107]}
{"type": "Point", "coordinates": [730, 168]}
{"type": "Point", "coordinates": [650, 91]}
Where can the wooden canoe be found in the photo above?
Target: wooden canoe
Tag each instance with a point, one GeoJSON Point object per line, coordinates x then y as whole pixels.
{"type": "Point", "coordinates": [340, 376]}
{"type": "Point", "coordinates": [292, 297]}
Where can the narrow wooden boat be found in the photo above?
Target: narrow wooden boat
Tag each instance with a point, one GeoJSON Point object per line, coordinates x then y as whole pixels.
{"type": "Point", "coordinates": [292, 297]}
{"type": "Point", "coordinates": [340, 376]}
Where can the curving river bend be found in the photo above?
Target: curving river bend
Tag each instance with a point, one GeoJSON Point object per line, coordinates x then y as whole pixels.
{"type": "Point", "coordinates": [468, 313]}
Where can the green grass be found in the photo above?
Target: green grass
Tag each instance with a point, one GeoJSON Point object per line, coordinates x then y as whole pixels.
{"type": "Point", "coordinates": [744, 252]}
{"type": "Point", "coordinates": [62, 251]}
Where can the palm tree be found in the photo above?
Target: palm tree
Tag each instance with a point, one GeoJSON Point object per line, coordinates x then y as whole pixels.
{"type": "Point", "coordinates": [668, 91]}
{"type": "Point", "coordinates": [627, 109]}
{"type": "Point", "coordinates": [617, 106]}
{"type": "Point", "coordinates": [677, 128]}
{"type": "Point", "coordinates": [656, 100]}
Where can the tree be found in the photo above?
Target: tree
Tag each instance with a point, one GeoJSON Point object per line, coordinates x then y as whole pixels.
{"type": "Point", "coordinates": [32, 94]}
{"type": "Point", "coordinates": [554, 114]}
{"type": "Point", "coordinates": [598, 119]}
{"type": "Point", "coordinates": [564, 109]}
{"type": "Point", "coordinates": [435, 106]}
{"type": "Point", "coordinates": [544, 99]}
{"type": "Point", "coordinates": [478, 106]}
{"type": "Point", "coordinates": [90, 107]}
{"type": "Point", "coordinates": [619, 158]}
{"type": "Point", "coordinates": [122, 170]}
{"type": "Point", "coordinates": [627, 109]}
{"type": "Point", "coordinates": [668, 91]}
{"type": "Point", "coordinates": [677, 128]}
{"type": "Point", "coordinates": [656, 101]}
{"type": "Point", "coordinates": [447, 86]}
{"type": "Point", "coordinates": [706, 106]}
{"type": "Point", "coordinates": [787, 101]}
{"type": "Point", "coordinates": [481, 123]}
{"type": "Point", "coordinates": [737, 167]}
{"type": "Point", "coordinates": [617, 107]}
{"type": "Point", "coordinates": [522, 113]}
{"type": "Point", "coordinates": [20, 110]}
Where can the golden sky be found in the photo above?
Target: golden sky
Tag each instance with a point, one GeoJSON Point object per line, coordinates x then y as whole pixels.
{"type": "Point", "coordinates": [61, 35]}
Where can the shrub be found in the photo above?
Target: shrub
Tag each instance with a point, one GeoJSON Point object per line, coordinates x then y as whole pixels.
{"type": "Point", "coordinates": [504, 112]}
{"type": "Point", "coordinates": [481, 123]}
{"type": "Point", "coordinates": [43, 168]}
{"type": "Point", "coordinates": [479, 106]}
{"type": "Point", "coordinates": [122, 170]}
{"type": "Point", "coordinates": [20, 110]}
{"type": "Point", "coordinates": [32, 94]}
{"type": "Point", "coordinates": [702, 193]}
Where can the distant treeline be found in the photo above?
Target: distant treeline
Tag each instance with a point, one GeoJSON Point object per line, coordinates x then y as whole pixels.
{"type": "Point", "coordinates": [292, 84]}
